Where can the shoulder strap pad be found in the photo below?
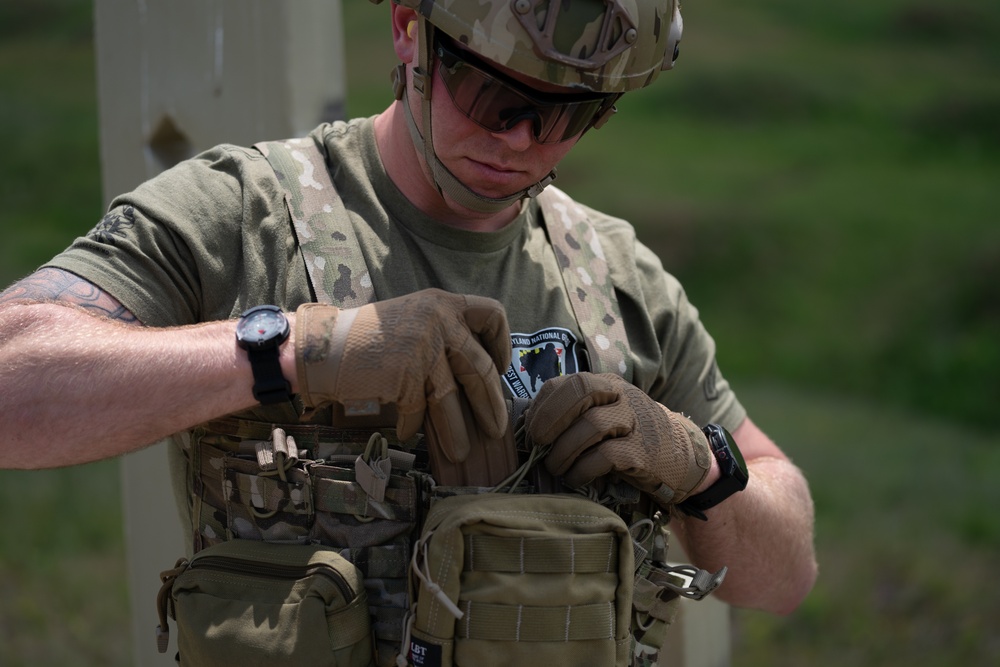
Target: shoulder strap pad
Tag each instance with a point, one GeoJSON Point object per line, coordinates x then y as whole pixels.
{"type": "Point", "coordinates": [587, 278]}
{"type": "Point", "coordinates": [321, 223]}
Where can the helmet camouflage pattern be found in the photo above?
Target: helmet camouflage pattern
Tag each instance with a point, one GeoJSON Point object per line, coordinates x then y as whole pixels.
{"type": "Point", "coordinates": [604, 46]}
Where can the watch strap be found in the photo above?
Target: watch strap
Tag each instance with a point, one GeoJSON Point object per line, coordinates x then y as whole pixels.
{"type": "Point", "coordinates": [733, 477]}
{"type": "Point", "coordinates": [269, 383]}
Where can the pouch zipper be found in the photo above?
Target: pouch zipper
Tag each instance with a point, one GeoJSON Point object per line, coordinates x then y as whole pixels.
{"type": "Point", "coordinates": [276, 570]}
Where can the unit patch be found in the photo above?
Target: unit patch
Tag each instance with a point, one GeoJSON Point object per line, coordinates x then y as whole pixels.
{"type": "Point", "coordinates": [711, 385]}
{"type": "Point", "coordinates": [539, 356]}
{"type": "Point", "coordinates": [113, 225]}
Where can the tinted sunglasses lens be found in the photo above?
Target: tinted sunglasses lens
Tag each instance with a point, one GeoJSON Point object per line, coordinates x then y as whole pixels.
{"type": "Point", "coordinates": [480, 97]}
{"type": "Point", "coordinates": [560, 122]}
{"type": "Point", "coordinates": [497, 107]}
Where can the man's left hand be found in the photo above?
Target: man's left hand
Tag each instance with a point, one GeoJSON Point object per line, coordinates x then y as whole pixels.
{"type": "Point", "coordinates": [599, 424]}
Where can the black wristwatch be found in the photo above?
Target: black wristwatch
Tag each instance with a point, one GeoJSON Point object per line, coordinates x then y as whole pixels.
{"type": "Point", "coordinates": [734, 474]}
{"type": "Point", "coordinates": [260, 331]}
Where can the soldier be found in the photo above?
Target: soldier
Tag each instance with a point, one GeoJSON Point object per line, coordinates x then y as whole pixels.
{"type": "Point", "coordinates": [133, 334]}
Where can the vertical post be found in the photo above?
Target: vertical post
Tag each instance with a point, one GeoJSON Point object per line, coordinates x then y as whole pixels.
{"type": "Point", "coordinates": [175, 77]}
{"type": "Point", "coordinates": [700, 636]}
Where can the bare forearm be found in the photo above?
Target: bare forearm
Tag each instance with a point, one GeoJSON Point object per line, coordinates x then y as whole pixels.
{"type": "Point", "coordinates": [764, 535]}
{"type": "Point", "coordinates": [79, 388]}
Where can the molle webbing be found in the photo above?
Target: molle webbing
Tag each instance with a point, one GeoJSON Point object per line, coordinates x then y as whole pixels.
{"type": "Point", "coordinates": [315, 498]}
{"type": "Point", "coordinates": [540, 555]}
{"type": "Point", "coordinates": [495, 622]}
{"type": "Point", "coordinates": [578, 555]}
{"type": "Point", "coordinates": [306, 435]}
{"type": "Point", "coordinates": [334, 262]}
{"type": "Point", "coordinates": [507, 579]}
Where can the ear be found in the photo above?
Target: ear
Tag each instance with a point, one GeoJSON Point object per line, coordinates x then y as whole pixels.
{"type": "Point", "coordinates": [404, 33]}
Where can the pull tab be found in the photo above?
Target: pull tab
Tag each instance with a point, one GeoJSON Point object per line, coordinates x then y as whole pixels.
{"type": "Point", "coordinates": [622, 493]}
{"type": "Point", "coordinates": [279, 449]}
{"type": "Point", "coordinates": [420, 568]}
{"type": "Point", "coordinates": [373, 475]}
{"type": "Point", "coordinates": [167, 578]}
{"type": "Point", "coordinates": [277, 454]}
{"type": "Point", "coordinates": [661, 538]}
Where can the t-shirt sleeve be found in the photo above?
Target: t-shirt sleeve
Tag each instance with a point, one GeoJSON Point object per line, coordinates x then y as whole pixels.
{"type": "Point", "coordinates": [179, 249]}
{"type": "Point", "coordinates": [690, 380]}
{"type": "Point", "coordinates": [675, 356]}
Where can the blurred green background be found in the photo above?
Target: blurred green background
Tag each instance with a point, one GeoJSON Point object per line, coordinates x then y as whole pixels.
{"type": "Point", "coordinates": [823, 178]}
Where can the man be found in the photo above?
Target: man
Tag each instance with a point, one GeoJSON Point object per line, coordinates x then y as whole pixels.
{"type": "Point", "coordinates": [128, 337]}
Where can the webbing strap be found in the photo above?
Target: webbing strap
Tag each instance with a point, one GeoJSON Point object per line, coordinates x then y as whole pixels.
{"type": "Point", "coordinates": [307, 436]}
{"type": "Point", "coordinates": [581, 554]}
{"type": "Point", "coordinates": [519, 623]}
{"type": "Point", "coordinates": [346, 497]}
{"type": "Point", "coordinates": [305, 492]}
{"type": "Point", "coordinates": [587, 278]}
{"type": "Point", "coordinates": [334, 262]}
{"type": "Point", "coordinates": [347, 627]}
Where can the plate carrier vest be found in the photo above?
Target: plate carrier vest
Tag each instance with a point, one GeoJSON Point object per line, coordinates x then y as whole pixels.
{"type": "Point", "coordinates": [317, 484]}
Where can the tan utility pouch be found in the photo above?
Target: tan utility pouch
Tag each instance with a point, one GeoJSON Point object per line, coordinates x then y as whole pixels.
{"type": "Point", "coordinates": [252, 603]}
{"type": "Point", "coordinates": [521, 580]}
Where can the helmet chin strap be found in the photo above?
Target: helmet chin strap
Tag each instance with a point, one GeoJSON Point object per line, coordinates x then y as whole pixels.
{"type": "Point", "coordinates": [445, 181]}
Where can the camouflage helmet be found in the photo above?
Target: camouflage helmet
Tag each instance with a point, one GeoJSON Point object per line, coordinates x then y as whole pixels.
{"type": "Point", "coordinates": [608, 47]}
{"type": "Point", "coordinates": [603, 46]}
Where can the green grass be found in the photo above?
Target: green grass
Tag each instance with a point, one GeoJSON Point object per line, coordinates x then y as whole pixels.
{"type": "Point", "coordinates": [823, 180]}
{"type": "Point", "coordinates": [906, 539]}
{"type": "Point", "coordinates": [50, 181]}
{"type": "Point", "coordinates": [63, 592]}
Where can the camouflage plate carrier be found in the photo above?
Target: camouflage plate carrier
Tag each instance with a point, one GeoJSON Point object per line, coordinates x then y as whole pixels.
{"type": "Point", "coordinates": [315, 484]}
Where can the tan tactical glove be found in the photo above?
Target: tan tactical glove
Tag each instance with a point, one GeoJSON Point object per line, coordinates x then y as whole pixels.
{"type": "Point", "coordinates": [413, 354]}
{"type": "Point", "coordinates": [599, 424]}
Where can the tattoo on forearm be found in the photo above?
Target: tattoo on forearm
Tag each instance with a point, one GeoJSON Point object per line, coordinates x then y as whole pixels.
{"type": "Point", "coordinates": [57, 285]}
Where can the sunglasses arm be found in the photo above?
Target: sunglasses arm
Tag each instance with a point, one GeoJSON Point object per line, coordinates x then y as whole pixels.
{"type": "Point", "coordinates": [605, 114]}
{"type": "Point", "coordinates": [603, 117]}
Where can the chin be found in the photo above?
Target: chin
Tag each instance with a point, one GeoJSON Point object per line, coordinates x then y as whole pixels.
{"type": "Point", "coordinates": [490, 183]}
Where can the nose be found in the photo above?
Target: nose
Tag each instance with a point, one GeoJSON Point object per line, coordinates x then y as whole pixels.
{"type": "Point", "coordinates": [520, 135]}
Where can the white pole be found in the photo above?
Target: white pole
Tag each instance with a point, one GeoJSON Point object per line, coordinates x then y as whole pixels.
{"type": "Point", "coordinates": [176, 77]}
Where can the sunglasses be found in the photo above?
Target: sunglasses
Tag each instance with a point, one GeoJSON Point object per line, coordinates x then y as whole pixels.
{"type": "Point", "coordinates": [497, 102]}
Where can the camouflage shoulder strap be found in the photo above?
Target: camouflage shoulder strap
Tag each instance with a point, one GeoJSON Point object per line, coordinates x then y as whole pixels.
{"type": "Point", "coordinates": [588, 283]}
{"type": "Point", "coordinates": [321, 224]}
{"type": "Point", "coordinates": [325, 234]}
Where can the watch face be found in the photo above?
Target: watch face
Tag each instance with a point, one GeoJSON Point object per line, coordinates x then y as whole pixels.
{"type": "Point", "coordinates": [262, 325]}
{"type": "Point", "coordinates": [735, 451]}
{"type": "Point", "coordinates": [727, 453]}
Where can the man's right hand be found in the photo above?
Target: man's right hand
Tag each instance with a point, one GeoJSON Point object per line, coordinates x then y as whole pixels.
{"type": "Point", "coordinates": [413, 353]}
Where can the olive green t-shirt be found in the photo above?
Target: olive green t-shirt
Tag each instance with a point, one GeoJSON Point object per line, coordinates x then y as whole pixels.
{"type": "Point", "coordinates": [212, 237]}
